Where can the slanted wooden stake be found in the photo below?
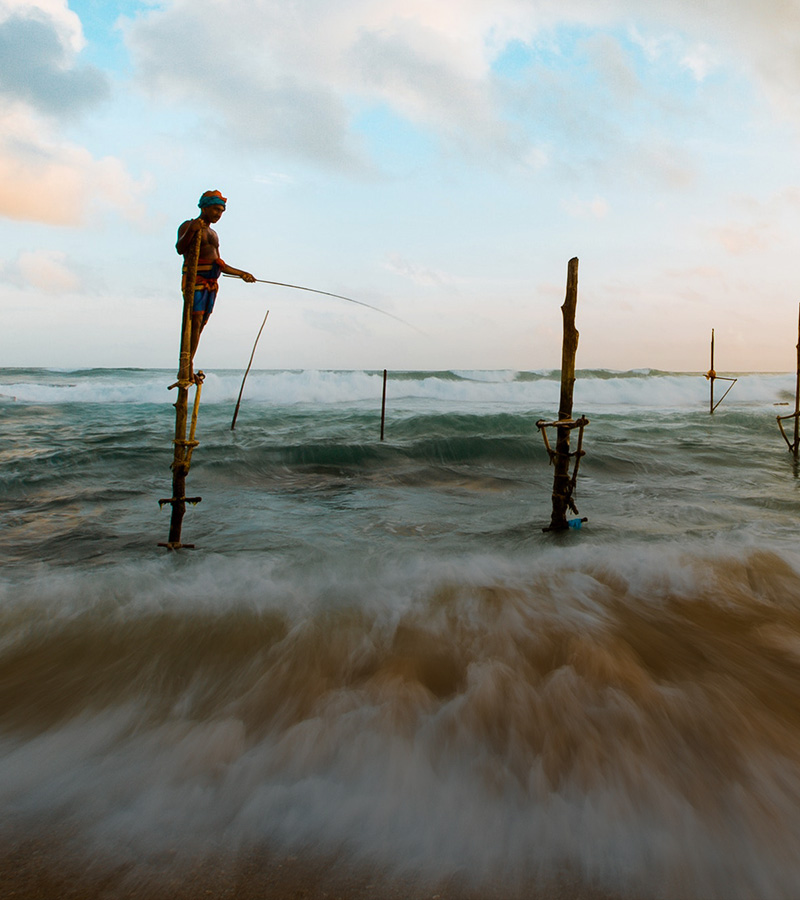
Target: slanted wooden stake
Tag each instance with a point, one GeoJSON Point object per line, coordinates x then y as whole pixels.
{"type": "Point", "coordinates": [184, 445]}
{"type": "Point", "coordinates": [247, 370]}
{"type": "Point", "coordinates": [563, 481]}
{"type": "Point", "coordinates": [794, 445]}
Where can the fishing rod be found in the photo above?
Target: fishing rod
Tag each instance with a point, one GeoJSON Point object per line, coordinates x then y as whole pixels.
{"type": "Point", "coordinates": [299, 287]}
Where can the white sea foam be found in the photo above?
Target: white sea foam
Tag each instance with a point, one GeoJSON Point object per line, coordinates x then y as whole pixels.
{"type": "Point", "coordinates": [476, 390]}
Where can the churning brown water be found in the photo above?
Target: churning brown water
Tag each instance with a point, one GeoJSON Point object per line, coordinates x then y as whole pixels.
{"type": "Point", "coordinates": [635, 723]}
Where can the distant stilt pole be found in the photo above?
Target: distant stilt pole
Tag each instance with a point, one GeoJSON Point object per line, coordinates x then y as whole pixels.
{"type": "Point", "coordinates": [797, 395]}
{"type": "Point", "coordinates": [794, 445]}
{"type": "Point", "coordinates": [712, 375]}
{"type": "Point", "coordinates": [184, 446]}
{"type": "Point", "coordinates": [383, 404]}
{"type": "Point", "coordinates": [563, 482]}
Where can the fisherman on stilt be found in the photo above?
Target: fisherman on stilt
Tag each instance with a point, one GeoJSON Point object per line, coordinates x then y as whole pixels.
{"type": "Point", "coordinates": [210, 264]}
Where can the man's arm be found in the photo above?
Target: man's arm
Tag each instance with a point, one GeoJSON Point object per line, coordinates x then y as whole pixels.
{"type": "Point", "coordinates": [229, 270]}
{"type": "Point", "coordinates": [187, 234]}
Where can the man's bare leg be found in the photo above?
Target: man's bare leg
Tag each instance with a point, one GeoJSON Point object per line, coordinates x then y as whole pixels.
{"type": "Point", "coordinates": [197, 329]}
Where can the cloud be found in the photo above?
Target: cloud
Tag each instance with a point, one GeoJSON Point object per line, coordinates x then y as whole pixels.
{"type": "Point", "coordinates": [759, 39]}
{"type": "Point", "coordinates": [248, 91]}
{"type": "Point", "coordinates": [597, 208]}
{"type": "Point", "coordinates": [55, 13]}
{"type": "Point", "coordinates": [45, 270]}
{"type": "Point", "coordinates": [46, 179]}
{"type": "Point", "coordinates": [613, 66]}
{"type": "Point", "coordinates": [761, 223]}
{"type": "Point", "coordinates": [292, 80]}
{"type": "Point", "coordinates": [35, 67]}
{"type": "Point", "coordinates": [422, 275]}
{"type": "Point", "coordinates": [700, 60]}
{"type": "Point", "coordinates": [741, 239]}
{"type": "Point", "coordinates": [292, 83]}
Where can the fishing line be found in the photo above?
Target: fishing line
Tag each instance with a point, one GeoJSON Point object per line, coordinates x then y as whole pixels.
{"type": "Point", "coordinates": [299, 287]}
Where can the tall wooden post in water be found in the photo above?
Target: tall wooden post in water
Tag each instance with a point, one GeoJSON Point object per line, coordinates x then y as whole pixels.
{"type": "Point", "coordinates": [562, 487]}
{"type": "Point", "coordinates": [563, 482]}
{"type": "Point", "coordinates": [184, 446]}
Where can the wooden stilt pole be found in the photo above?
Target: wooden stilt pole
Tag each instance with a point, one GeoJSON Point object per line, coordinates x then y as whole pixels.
{"type": "Point", "coordinates": [712, 375]}
{"type": "Point", "coordinates": [797, 396]}
{"type": "Point", "coordinates": [383, 404]}
{"type": "Point", "coordinates": [794, 446]}
{"type": "Point", "coordinates": [562, 482]}
{"type": "Point", "coordinates": [184, 446]}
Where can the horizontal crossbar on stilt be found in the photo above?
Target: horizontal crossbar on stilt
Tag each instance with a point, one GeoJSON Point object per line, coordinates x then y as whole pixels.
{"type": "Point", "coordinates": [563, 423]}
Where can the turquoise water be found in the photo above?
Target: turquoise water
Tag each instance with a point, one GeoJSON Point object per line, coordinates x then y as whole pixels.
{"type": "Point", "coordinates": [375, 650]}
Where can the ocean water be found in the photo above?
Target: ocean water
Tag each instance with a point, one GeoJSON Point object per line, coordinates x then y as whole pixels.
{"type": "Point", "coordinates": [376, 653]}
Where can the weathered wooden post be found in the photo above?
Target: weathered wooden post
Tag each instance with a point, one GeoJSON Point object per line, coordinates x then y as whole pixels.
{"type": "Point", "coordinates": [569, 347]}
{"type": "Point", "coordinates": [794, 445]}
{"type": "Point", "coordinates": [183, 447]}
{"type": "Point", "coordinates": [563, 482]}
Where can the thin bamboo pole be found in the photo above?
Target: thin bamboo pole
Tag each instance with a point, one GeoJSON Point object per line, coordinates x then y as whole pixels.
{"type": "Point", "coordinates": [383, 404]}
{"type": "Point", "coordinates": [562, 485]}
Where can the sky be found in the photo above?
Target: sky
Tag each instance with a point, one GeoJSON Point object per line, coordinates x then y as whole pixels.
{"type": "Point", "coordinates": [441, 161]}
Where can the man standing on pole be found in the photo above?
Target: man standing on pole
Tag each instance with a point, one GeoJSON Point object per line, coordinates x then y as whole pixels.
{"type": "Point", "coordinates": [210, 264]}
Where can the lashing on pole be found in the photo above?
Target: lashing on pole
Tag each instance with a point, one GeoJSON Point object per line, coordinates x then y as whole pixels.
{"type": "Point", "coordinates": [567, 487]}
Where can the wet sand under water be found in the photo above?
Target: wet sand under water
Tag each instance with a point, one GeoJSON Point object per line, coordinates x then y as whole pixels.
{"type": "Point", "coordinates": [39, 869]}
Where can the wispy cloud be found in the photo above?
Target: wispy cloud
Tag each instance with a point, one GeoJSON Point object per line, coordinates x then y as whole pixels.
{"type": "Point", "coordinates": [418, 274]}
{"type": "Point", "coordinates": [48, 271]}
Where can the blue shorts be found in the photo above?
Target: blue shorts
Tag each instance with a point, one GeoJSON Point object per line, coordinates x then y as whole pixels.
{"type": "Point", "coordinates": [203, 302]}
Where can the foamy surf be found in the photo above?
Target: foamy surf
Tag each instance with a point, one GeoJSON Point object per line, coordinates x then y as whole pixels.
{"type": "Point", "coordinates": [636, 722]}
